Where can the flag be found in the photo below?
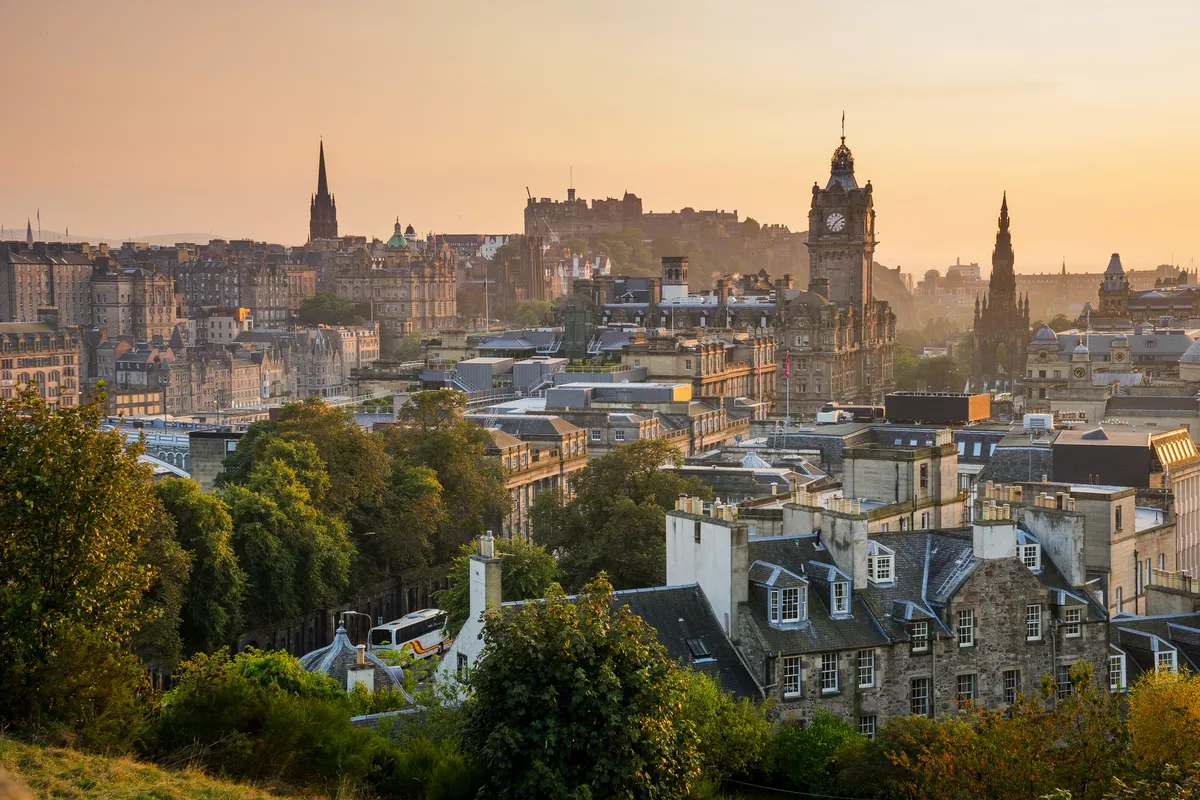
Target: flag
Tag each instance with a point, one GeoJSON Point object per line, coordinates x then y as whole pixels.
{"type": "Point", "coordinates": [787, 365]}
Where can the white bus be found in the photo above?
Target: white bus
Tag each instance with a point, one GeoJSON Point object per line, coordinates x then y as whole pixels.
{"type": "Point", "coordinates": [420, 633]}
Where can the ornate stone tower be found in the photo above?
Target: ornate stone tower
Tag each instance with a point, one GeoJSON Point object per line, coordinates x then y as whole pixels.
{"type": "Point", "coordinates": [841, 236]}
{"type": "Point", "coordinates": [674, 277]}
{"type": "Point", "coordinates": [322, 213]}
{"type": "Point", "coordinates": [1001, 331]}
{"type": "Point", "coordinates": [1114, 289]}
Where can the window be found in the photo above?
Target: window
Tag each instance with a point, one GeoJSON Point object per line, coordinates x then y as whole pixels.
{"type": "Point", "coordinates": [1116, 673]}
{"type": "Point", "coordinates": [1012, 685]}
{"type": "Point", "coordinates": [841, 597]}
{"type": "Point", "coordinates": [920, 636]}
{"type": "Point", "coordinates": [866, 669]}
{"type": "Point", "coordinates": [962, 448]}
{"type": "Point", "coordinates": [1161, 561]}
{"type": "Point", "coordinates": [1062, 677]}
{"type": "Point", "coordinates": [1041, 373]}
{"type": "Point", "coordinates": [977, 449]}
{"type": "Point", "coordinates": [619, 435]}
{"type": "Point", "coordinates": [966, 628]}
{"type": "Point", "coordinates": [829, 672]}
{"type": "Point", "coordinates": [991, 449]}
{"type": "Point", "coordinates": [924, 520]}
{"type": "Point", "coordinates": [595, 434]}
{"type": "Point", "coordinates": [687, 364]}
{"type": "Point", "coordinates": [773, 606]}
{"type": "Point", "coordinates": [866, 726]}
{"type": "Point", "coordinates": [924, 477]}
{"type": "Point", "coordinates": [1033, 623]}
{"type": "Point", "coordinates": [791, 605]}
{"type": "Point", "coordinates": [1073, 619]}
{"type": "Point", "coordinates": [880, 563]}
{"type": "Point", "coordinates": [1164, 661]}
{"type": "Point", "coordinates": [462, 666]}
{"type": "Point", "coordinates": [1118, 518]}
{"type": "Point", "coordinates": [918, 697]}
{"type": "Point", "coordinates": [1031, 556]}
{"type": "Point", "coordinates": [1120, 602]}
{"type": "Point", "coordinates": [966, 689]}
{"type": "Point", "coordinates": [791, 676]}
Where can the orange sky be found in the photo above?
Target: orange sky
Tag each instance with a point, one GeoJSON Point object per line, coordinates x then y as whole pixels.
{"type": "Point", "coordinates": [138, 118]}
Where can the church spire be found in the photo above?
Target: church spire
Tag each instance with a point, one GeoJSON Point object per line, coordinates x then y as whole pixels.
{"type": "Point", "coordinates": [322, 183]}
{"type": "Point", "coordinates": [28, 232]}
{"type": "Point", "coordinates": [1002, 285]}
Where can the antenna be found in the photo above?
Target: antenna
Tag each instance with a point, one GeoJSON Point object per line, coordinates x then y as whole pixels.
{"type": "Point", "coordinates": [843, 126]}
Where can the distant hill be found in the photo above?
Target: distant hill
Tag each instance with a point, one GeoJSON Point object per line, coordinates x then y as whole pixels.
{"type": "Point", "coordinates": [10, 233]}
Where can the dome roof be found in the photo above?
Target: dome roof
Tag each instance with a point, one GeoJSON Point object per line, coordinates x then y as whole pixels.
{"type": "Point", "coordinates": [336, 659]}
{"type": "Point", "coordinates": [1080, 348]}
{"type": "Point", "coordinates": [1045, 334]}
{"type": "Point", "coordinates": [1120, 337]}
{"type": "Point", "coordinates": [841, 168]}
{"type": "Point", "coordinates": [1114, 266]}
{"type": "Point", "coordinates": [1192, 354]}
{"type": "Point", "coordinates": [809, 299]}
{"type": "Point", "coordinates": [397, 241]}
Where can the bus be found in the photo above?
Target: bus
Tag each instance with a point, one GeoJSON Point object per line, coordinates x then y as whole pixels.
{"type": "Point", "coordinates": [420, 633]}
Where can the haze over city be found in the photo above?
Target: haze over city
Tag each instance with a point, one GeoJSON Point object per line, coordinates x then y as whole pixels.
{"type": "Point", "coordinates": [157, 118]}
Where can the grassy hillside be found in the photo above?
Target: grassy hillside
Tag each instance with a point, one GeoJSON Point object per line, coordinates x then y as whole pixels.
{"type": "Point", "coordinates": [66, 774]}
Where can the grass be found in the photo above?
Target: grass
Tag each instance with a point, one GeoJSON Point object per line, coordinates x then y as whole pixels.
{"type": "Point", "coordinates": [52, 772]}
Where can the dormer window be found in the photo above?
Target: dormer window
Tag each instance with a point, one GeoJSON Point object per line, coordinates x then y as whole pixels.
{"type": "Point", "coordinates": [1164, 661]}
{"type": "Point", "coordinates": [840, 597]}
{"type": "Point", "coordinates": [1030, 555]}
{"type": "Point", "coordinates": [881, 563]}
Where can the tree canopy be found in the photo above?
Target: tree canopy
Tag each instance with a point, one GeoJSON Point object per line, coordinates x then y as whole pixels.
{"type": "Point", "coordinates": [528, 573]}
{"type": "Point", "coordinates": [326, 308]}
{"type": "Point", "coordinates": [530, 313]}
{"type": "Point", "coordinates": [572, 699]}
{"type": "Point", "coordinates": [615, 522]}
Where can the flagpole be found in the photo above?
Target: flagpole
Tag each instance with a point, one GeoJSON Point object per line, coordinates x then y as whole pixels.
{"type": "Point", "coordinates": [787, 384]}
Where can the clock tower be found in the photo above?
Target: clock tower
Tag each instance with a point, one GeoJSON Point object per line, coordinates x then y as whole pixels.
{"type": "Point", "coordinates": [841, 236]}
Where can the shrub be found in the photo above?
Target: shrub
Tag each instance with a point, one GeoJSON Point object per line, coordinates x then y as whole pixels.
{"type": "Point", "coordinates": [806, 758]}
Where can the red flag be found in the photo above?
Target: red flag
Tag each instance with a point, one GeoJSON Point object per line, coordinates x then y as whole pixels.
{"type": "Point", "coordinates": [787, 365]}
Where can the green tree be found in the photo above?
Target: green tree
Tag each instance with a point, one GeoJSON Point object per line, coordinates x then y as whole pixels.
{"type": "Point", "coordinates": [76, 511]}
{"type": "Point", "coordinates": [576, 245]}
{"type": "Point", "coordinates": [750, 228]}
{"type": "Point", "coordinates": [326, 308]}
{"type": "Point", "coordinates": [530, 313]}
{"type": "Point", "coordinates": [1060, 323]}
{"type": "Point", "coordinates": [408, 348]}
{"type": "Point", "coordinates": [807, 758]}
{"type": "Point", "coordinates": [615, 522]}
{"type": "Point", "coordinates": [296, 556]}
{"type": "Point", "coordinates": [528, 572]}
{"type": "Point", "coordinates": [158, 642]}
{"type": "Point", "coordinates": [939, 374]}
{"type": "Point", "coordinates": [904, 368]}
{"type": "Point", "coordinates": [404, 527]}
{"type": "Point", "coordinates": [215, 590]}
{"type": "Point", "coordinates": [734, 735]}
{"type": "Point", "coordinates": [432, 432]}
{"type": "Point", "coordinates": [571, 699]}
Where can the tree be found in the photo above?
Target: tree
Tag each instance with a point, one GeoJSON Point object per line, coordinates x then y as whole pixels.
{"type": "Point", "coordinates": [750, 228]}
{"type": "Point", "coordinates": [573, 699]}
{"type": "Point", "coordinates": [76, 511]}
{"type": "Point", "coordinates": [404, 526]}
{"type": "Point", "coordinates": [734, 735]}
{"type": "Point", "coordinates": [528, 572]}
{"type": "Point", "coordinates": [940, 374]}
{"type": "Point", "coordinates": [904, 368]}
{"type": "Point", "coordinates": [409, 347]}
{"type": "Point", "coordinates": [1060, 323]}
{"type": "Point", "coordinates": [806, 758]}
{"type": "Point", "coordinates": [213, 596]}
{"type": "Point", "coordinates": [326, 308]}
{"type": "Point", "coordinates": [531, 313]}
{"type": "Point", "coordinates": [296, 556]}
{"type": "Point", "coordinates": [1164, 721]}
{"type": "Point", "coordinates": [158, 642]}
{"type": "Point", "coordinates": [432, 432]}
{"type": "Point", "coordinates": [616, 521]}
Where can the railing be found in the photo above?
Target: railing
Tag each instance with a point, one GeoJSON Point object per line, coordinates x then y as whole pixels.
{"type": "Point", "coordinates": [1174, 580]}
{"type": "Point", "coordinates": [598, 368]}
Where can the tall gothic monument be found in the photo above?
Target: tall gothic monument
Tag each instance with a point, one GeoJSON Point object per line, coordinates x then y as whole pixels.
{"type": "Point", "coordinates": [1002, 321]}
{"type": "Point", "coordinates": [322, 214]}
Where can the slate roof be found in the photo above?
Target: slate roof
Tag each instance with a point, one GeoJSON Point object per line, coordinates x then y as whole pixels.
{"type": "Point", "coordinates": [1139, 638]}
{"type": "Point", "coordinates": [526, 425]}
{"type": "Point", "coordinates": [680, 613]}
{"type": "Point", "coordinates": [336, 658]}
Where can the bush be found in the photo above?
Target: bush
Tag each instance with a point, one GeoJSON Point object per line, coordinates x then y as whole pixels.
{"type": "Point", "coordinates": [260, 715]}
{"type": "Point", "coordinates": [806, 758]}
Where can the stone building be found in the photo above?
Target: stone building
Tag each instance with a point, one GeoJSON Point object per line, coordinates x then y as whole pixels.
{"type": "Point", "coordinates": [1002, 321]}
{"type": "Point", "coordinates": [736, 365]}
{"type": "Point", "coordinates": [132, 301]}
{"type": "Point", "coordinates": [870, 626]}
{"type": "Point", "coordinates": [302, 284]}
{"type": "Point", "coordinates": [44, 275]}
{"type": "Point", "coordinates": [41, 355]}
{"type": "Point", "coordinates": [532, 466]}
{"type": "Point", "coordinates": [836, 339]}
{"type": "Point", "coordinates": [264, 289]}
{"type": "Point", "coordinates": [359, 345]}
{"type": "Point", "coordinates": [415, 295]}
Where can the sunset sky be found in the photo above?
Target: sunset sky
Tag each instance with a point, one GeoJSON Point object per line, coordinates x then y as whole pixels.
{"type": "Point", "coordinates": [138, 118]}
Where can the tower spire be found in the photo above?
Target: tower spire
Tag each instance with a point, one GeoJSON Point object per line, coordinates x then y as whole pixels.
{"type": "Point", "coordinates": [322, 219]}
{"type": "Point", "coordinates": [322, 183]}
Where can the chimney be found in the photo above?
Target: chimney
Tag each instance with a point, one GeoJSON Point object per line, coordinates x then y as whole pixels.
{"type": "Point", "coordinates": [994, 538]}
{"type": "Point", "coordinates": [485, 577]}
{"type": "Point", "coordinates": [361, 656]}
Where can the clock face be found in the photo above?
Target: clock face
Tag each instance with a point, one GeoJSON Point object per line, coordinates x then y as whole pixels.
{"type": "Point", "coordinates": [1119, 356]}
{"type": "Point", "coordinates": [1080, 372]}
{"type": "Point", "coordinates": [835, 222]}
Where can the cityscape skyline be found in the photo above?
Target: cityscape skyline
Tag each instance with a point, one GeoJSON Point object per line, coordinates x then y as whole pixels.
{"type": "Point", "coordinates": [449, 145]}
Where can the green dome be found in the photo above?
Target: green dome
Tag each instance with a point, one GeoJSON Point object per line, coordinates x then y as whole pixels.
{"type": "Point", "coordinates": [398, 241]}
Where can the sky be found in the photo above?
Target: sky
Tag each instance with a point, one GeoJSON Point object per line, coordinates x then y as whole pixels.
{"type": "Point", "coordinates": [140, 118]}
